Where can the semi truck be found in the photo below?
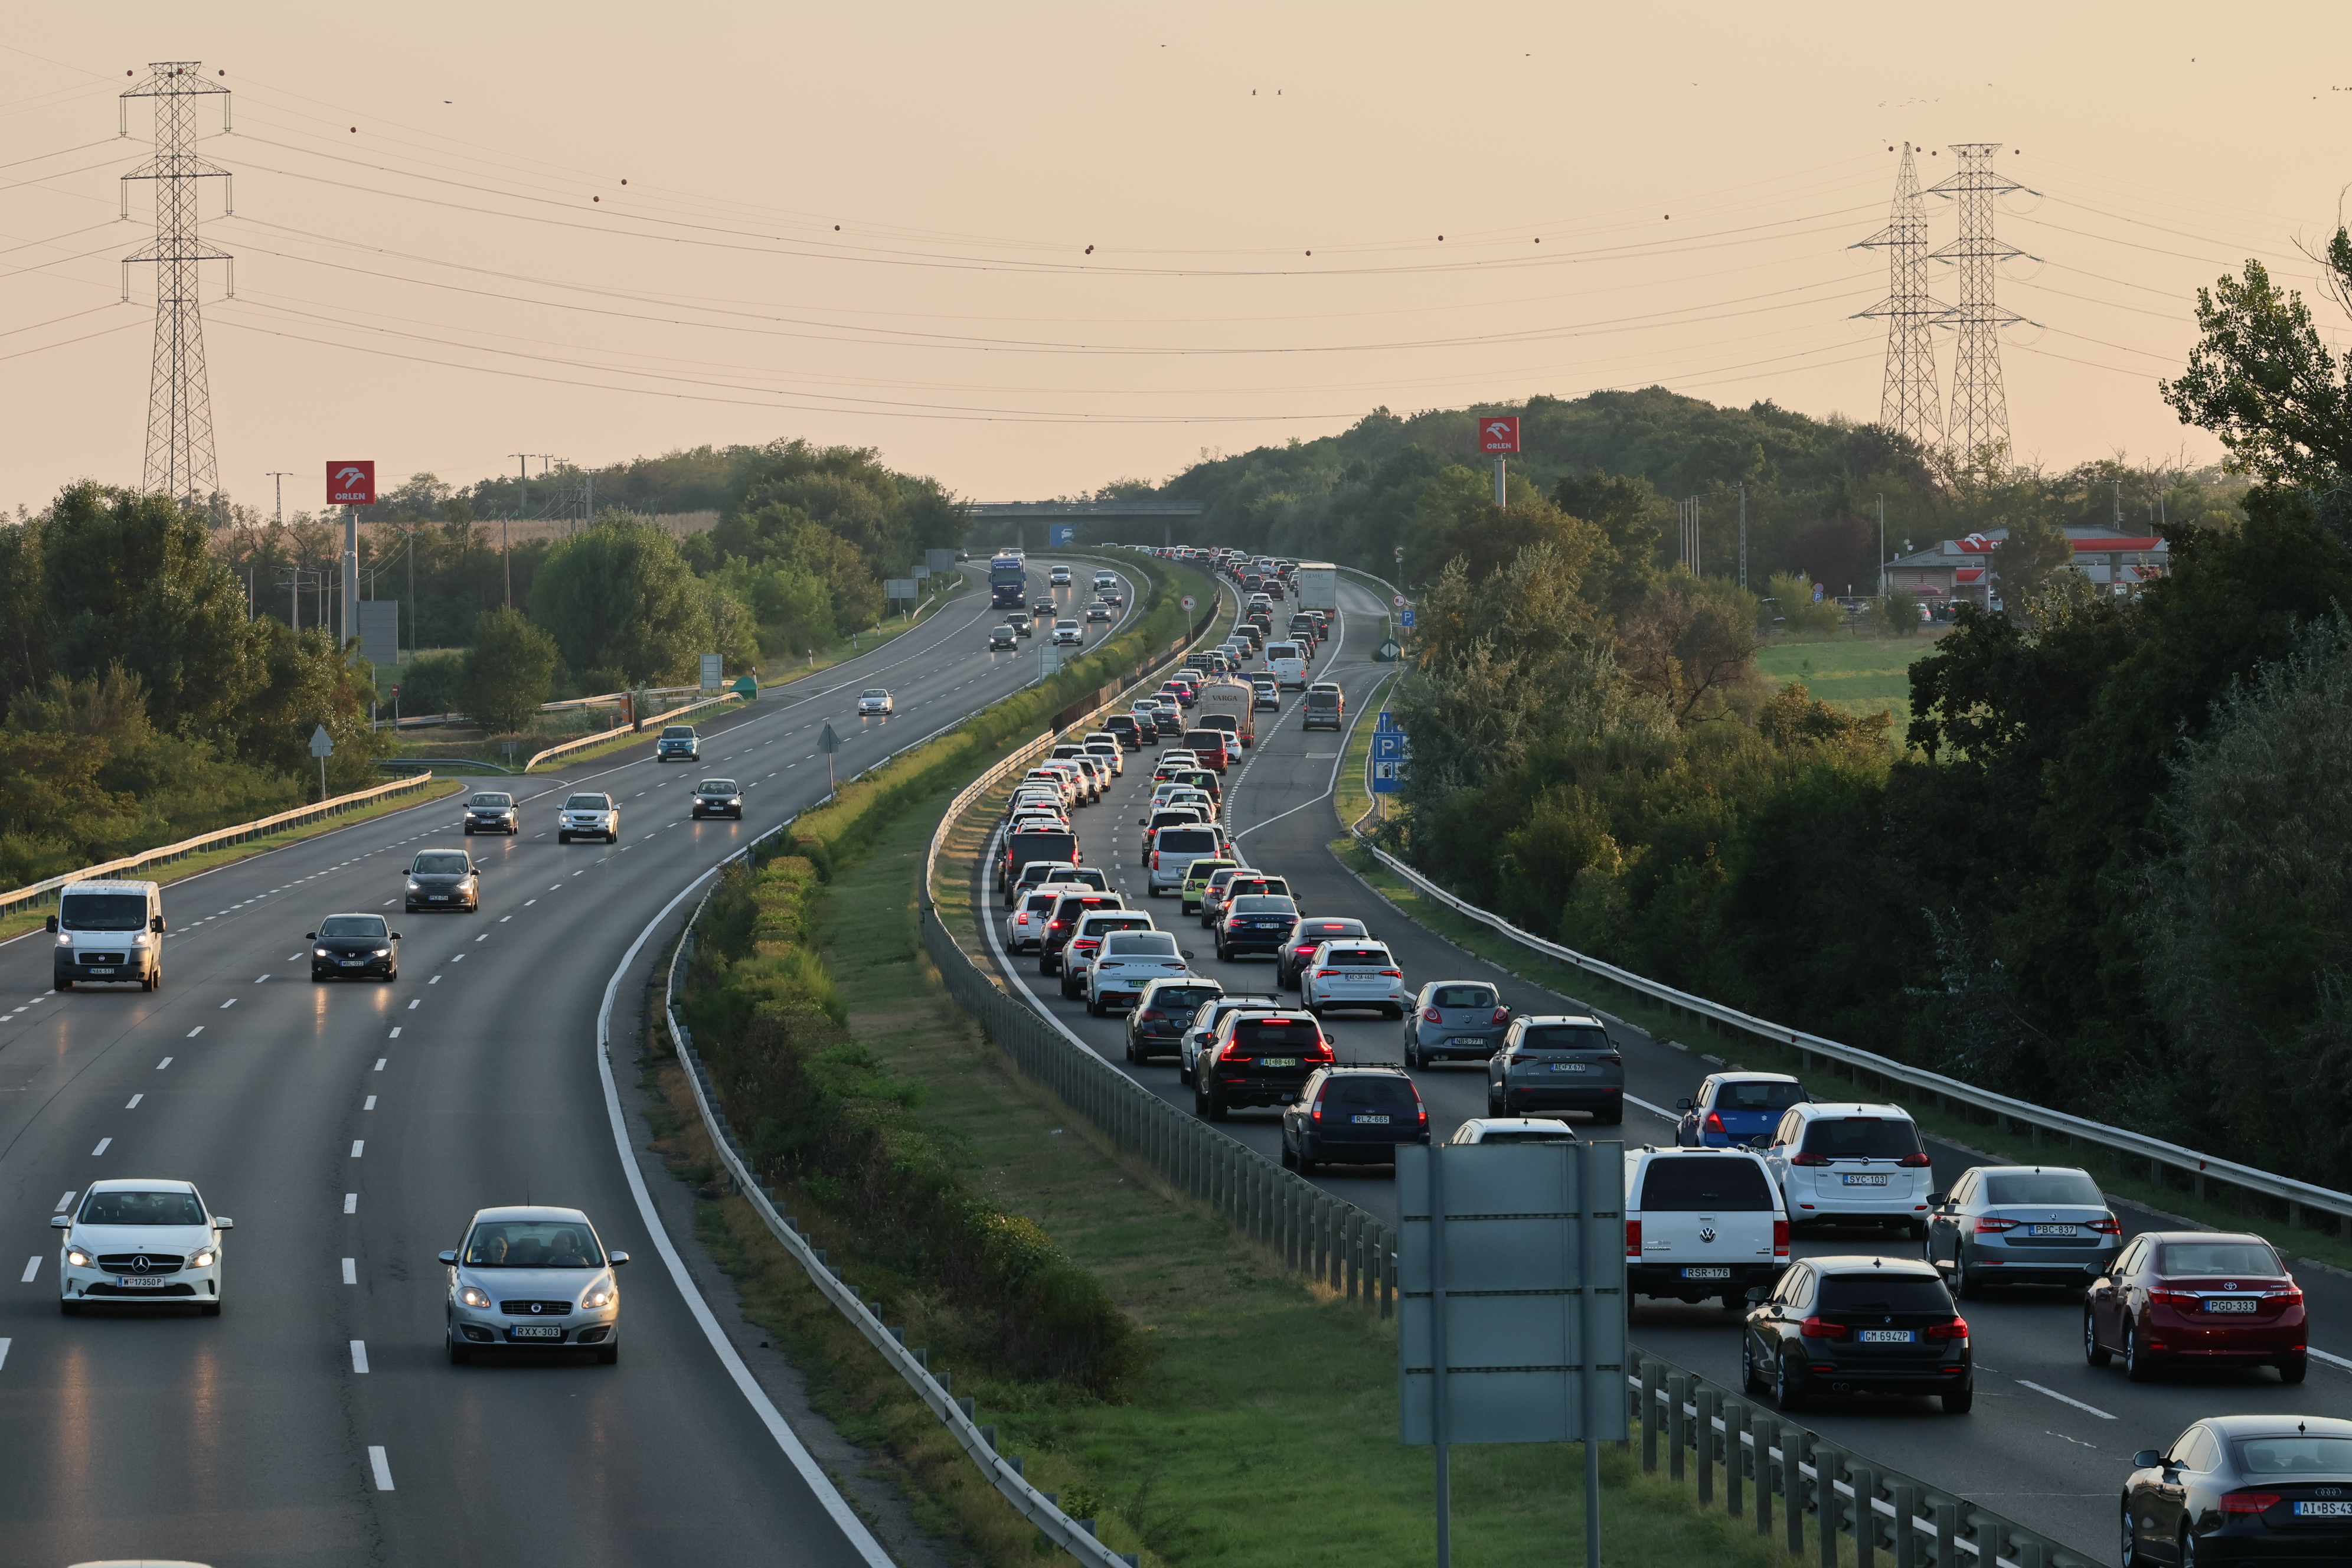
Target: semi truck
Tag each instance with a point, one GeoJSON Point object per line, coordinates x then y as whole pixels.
{"type": "Point", "coordinates": [1318, 587]}
{"type": "Point", "coordinates": [1008, 578]}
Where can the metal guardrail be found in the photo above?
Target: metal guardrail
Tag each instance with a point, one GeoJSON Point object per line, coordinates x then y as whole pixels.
{"type": "Point", "coordinates": [638, 728]}
{"type": "Point", "coordinates": [258, 827]}
{"type": "Point", "coordinates": [1760, 1454]}
{"type": "Point", "coordinates": [2120, 1142]}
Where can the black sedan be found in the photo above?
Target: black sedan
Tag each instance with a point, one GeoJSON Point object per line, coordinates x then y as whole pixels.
{"type": "Point", "coordinates": [1255, 922]}
{"type": "Point", "coordinates": [2242, 1489]}
{"type": "Point", "coordinates": [718, 798]}
{"type": "Point", "coordinates": [444, 879]}
{"type": "Point", "coordinates": [1863, 1324]}
{"type": "Point", "coordinates": [354, 947]}
{"type": "Point", "coordinates": [492, 811]}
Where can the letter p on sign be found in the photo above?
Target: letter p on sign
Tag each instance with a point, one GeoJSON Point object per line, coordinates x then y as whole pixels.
{"type": "Point", "coordinates": [1498, 433]}
{"type": "Point", "coordinates": [352, 482]}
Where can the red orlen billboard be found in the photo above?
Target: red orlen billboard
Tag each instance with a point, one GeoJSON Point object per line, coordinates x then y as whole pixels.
{"type": "Point", "coordinates": [1498, 434]}
{"type": "Point", "coordinates": [351, 483]}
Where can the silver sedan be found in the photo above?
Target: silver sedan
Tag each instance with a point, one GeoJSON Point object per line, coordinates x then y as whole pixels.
{"type": "Point", "coordinates": [532, 1278]}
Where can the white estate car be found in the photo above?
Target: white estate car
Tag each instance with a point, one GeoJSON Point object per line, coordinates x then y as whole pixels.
{"type": "Point", "coordinates": [1128, 961]}
{"type": "Point", "coordinates": [1354, 972]}
{"type": "Point", "coordinates": [533, 1278]}
{"type": "Point", "coordinates": [587, 815]}
{"type": "Point", "coordinates": [1024, 928]}
{"type": "Point", "coordinates": [141, 1239]}
{"type": "Point", "coordinates": [874, 700]}
{"type": "Point", "coordinates": [1851, 1161]}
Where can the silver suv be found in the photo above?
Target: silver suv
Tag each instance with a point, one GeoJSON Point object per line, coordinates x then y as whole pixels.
{"type": "Point", "coordinates": [588, 815]}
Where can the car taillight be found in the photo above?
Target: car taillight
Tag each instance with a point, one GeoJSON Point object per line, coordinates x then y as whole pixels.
{"type": "Point", "coordinates": [1916, 1161]}
{"type": "Point", "coordinates": [1431, 1016]}
{"type": "Point", "coordinates": [1325, 974]}
{"type": "Point", "coordinates": [2181, 1299]}
{"type": "Point", "coordinates": [1715, 1123]}
{"type": "Point", "coordinates": [1632, 1241]}
{"type": "Point", "coordinates": [1317, 1112]}
{"type": "Point", "coordinates": [1150, 1015]}
{"type": "Point", "coordinates": [1393, 974]}
{"type": "Point", "coordinates": [1957, 1328]}
{"type": "Point", "coordinates": [2290, 1297]}
{"type": "Point", "coordinates": [1233, 1052]}
{"type": "Point", "coordinates": [1822, 1329]}
{"type": "Point", "coordinates": [1808, 1159]}
{"type": "Point", "coordinates": [1502, 1016]}
{"type": "Point", "coordinates": [1321, 1053]}
{"type": "Point", "coordinates": [2110, 1225]}
{"type": "Point", "coordinates": [1425, 1112]}
{"type": "Point", "coordinates": [1780, 1240]}
{"type": "Point", "coordinates": [1994, 1226]}
{"type": "Point", "coordinates": [2248, 1502]}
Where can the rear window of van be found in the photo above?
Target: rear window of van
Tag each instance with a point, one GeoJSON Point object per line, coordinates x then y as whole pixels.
{"type": "Point", "coordinates": [1186, 841]}
{"type": "Point", "coordinates": [1680, 1183]}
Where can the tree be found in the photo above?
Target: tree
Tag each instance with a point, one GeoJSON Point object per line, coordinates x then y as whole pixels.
{"type": "Point", "coordinates": [507, 672]}
{"type": "Point", "coordinates": [2022, 564]}
{"type": "Point", "coordinates": [2262, 380]}
{"type": "Point", "coordinates": [1688, 639]}
{"type": "Point", "coordinates": [619, 598]}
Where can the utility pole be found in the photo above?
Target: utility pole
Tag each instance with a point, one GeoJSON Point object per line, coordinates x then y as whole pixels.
{"type": "Point", "coordinates": [1907, 404]}
{"type": "Point", "coordinates": [280, 475]}
{"type": "Point", "coordinates": [179, 457]}
{"type": "Point", "coordinates": [1882, 547]}
{"type": "Point", "coordinates": [1743, 533]}
{"type": "Point", "coordinates": [523, 460]}
{"type": "Point", "coordinates": [2119, 506]}
{"type": "Point", "coordinates": [1499, 499]}
{"type": "Point", "coordinates": [351, 583]}
{"type": "Point", "coordinates": [412, 609]}
{"type": "Point", "coordinates": [1979, 424]}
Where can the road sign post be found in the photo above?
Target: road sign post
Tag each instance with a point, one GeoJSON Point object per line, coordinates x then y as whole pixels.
{"type": "Point", "coordinates": [828, 743]}
{"type": "Point", "coordinates": [1499, 436]}
{"type": "Point", "coordinates": [351, 484]}
{"type": "Point", "coordinates": [322, 746]}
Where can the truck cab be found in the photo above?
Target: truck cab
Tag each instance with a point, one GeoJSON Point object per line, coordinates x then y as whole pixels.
{"type": "Point", "coordinates": [107, 932]}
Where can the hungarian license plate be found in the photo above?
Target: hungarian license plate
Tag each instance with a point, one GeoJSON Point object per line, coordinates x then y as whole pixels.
{"type": "Point", "coordinates": [1467, 1040]}
{"type": "Point", "coordinates": [1865, 1179]}
{"type": "Point", "coordinates": [1568, 1067]}
{"type": "Point", "coordinates": [2050, 1229]}
{"type": "Point", "coordinates": [2223, 1304]}
{"type": "Point", "coordinates": [1707, 1273]}
{"type": "Point", "coordinates": [102, 969]}
{"type": "Point", "coordinates": [354, 963]}
{"type": "Point", "coordinates": [1890, 1336]}
{"type": "Point", "coordinates": [1280, 1062]}
{"type": "Point", "coordinates": [1370, 1120]}
{"type": "Point", "coordinates": [141, 1281]}
{"type": "Point", "coordinates": [2323, 1509]}
{"type": "Point", "coordinates": [535, 1331]}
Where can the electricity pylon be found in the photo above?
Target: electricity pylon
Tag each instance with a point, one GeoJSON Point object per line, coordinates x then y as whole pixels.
{"type": "Point", "coordinates": [179, 457]}
{"type": "Point", "coordinates": [1979, 423]}
{"type": "Point", "coordinates": [1911, 402]}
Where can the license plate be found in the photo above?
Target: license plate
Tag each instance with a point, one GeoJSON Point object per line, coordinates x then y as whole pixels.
{"type": "Point", "coordinates": [1707, 1273]}
{"type": "Point", "coordinates": [2223, 1304]}
{"type": "Point", "coordinates": [1890, 1336]}
{"type": "Point", "coordinates": [1370, 1120]}
{"type": "Point", "coordinates": [535, 1331]}
{"type": "Point", "coordinates": [354, 963]}
{"type": "Point", "coordinates": [2050, 1229]}
{"type": "Point", "coordinates": [1467, 1040]}
{"type": "Point", "coordinates": [437, 898]}
{"type": "Point", "coordinates": [102, 969]}
{"type": "Point", "coordinates": [2323, 1509]}
{"type": "Point", "coordinates": [1279, 1062]}
{"type": "Point", "coordinates": [1568, 1067]}
{"type": "Point", "coordinates": [1869, 1179]}
{"type": "Point", "coordinates": [140, 1282]}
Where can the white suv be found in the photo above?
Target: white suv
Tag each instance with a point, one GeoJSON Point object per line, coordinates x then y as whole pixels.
{"type": "Point", "coordinates": [1354, 972]}
{"type": "Point", "coordinates": [589, 816]}
{"type": "Point", "coordinates": [1701, 1223]}
{"type": "Point", "coordinates": [1069, 633]}
{"type": "Point", "coordinates": [1840, 1162]}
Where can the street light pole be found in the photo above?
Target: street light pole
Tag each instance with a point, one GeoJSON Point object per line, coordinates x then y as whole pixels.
{"type": "Point", "coordinates": [1882, 547]}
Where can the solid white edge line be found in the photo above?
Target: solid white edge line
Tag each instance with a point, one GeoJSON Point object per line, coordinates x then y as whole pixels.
{"type": "Point", "coordinates": [2334, 1361]}
{"type": "Point", "coordinates": [2064, 1399]}
{"type": "Point", "coordinates": [812, 1474]}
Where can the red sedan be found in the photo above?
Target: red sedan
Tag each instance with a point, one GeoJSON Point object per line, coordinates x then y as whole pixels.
{"type": "Point", "coordinates": [2195, 1296]}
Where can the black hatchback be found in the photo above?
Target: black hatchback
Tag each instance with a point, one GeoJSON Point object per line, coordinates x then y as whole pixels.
{"type": "Point", "coordinates": [1352, 1116]}
{"type": "Point", "coordinates": [354, 947]}
{"type": "Point", "coordinates": [1863, 1324]}
{"type": "Point", "coordinates": [1257, 1058]}
{"type": "Point", "coordinates": [2243, 1488]}
{"type": "Point", "coordinates": [1156, 1025]}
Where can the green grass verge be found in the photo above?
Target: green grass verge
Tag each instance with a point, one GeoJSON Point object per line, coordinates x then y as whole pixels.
{"type": "Point", "coordinates": [1854, 675]}
{"type": "Point", "coordinates": [17, 923]}
{"type": "Point", "coordinates": [1350, 798]}
{"type": "Point", "coordinates": [2223, 1209]}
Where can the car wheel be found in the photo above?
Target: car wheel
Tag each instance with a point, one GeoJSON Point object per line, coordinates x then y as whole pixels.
{"type": "Point", "coordinates": [2136, 1362]}
{"type": "Point", "coordinates": [1307, 1167]}
{"type": "Point", "coordinates": [608, 1355]}
{"type": "Point", "coordinates": [1961, 1402]}
{"type": "Point", "coordinates": [61, 982]}
{"type": "Point", "coordinates": [152, 979]}
{"type": "Point", "coordinates": [1288, 1160]}
{"type": "Point", "coordinates": [1493, 1102]}
{"type": "Point", "coordinates": [2128, 1549]}
{"type": "Point", "coordinates": [1786, 1395]}
{"type": "Point", "coordinates": [469, 832]}
{"type": "Point", "coordinates": [2292, 1368]}
{"type": "Point", "coordinates": [392, 974]}
{"type": "Point", "coordinates": [69, 1309]}
{"type": "Point", "coordinates": [1412, 1054]}
{"type": "Point", "coordinates": [1612, 1116]}
{"type": "Point", "coordinates": [2094, 1352]}
{"type": "Point", "coordinates": [1964, 1284]}
{"type": "Point", "coordinates": [612, 839]}
{"type": "Point", "coordinates": [458, 1355]}
{"type": "Point", "coordinates": [1749, 1383]}
{"type": "Point", "coordinates": [2186, 1555]}
{"type": "Point", "coordinates": [563, 838]}
{"type": "Point", "coordinates": [1094, 1008]}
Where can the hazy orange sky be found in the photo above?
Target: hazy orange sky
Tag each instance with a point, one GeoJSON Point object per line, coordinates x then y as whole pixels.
{"type": "Point", "coordinates": [437, 263]}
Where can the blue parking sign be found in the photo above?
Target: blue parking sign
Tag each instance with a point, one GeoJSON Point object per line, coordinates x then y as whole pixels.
{"type": "Point", "coordinates": [1407, 619]}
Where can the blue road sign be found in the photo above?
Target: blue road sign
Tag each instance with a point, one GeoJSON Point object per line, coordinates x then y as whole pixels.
{"type": "Point", "coordinates": [1387, 746]}
{"type": "Point", "coordinates": [1387, 722]}
{"type": "Point", "coordinates": [1060, 533]}
{"type": "Point", "coordinates": [1388, 778]}
{"type": "Point", "coordinates": [1407, 618]}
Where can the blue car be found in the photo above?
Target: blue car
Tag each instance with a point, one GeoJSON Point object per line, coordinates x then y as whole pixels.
{"type": "Point", "coordinates": [1736, 1109]}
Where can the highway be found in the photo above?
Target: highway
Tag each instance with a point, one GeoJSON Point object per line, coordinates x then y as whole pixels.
{"type": "Point", "coordinates": [351, 1128]}
{"type": "Point", "coordinates": [2050, 1440]}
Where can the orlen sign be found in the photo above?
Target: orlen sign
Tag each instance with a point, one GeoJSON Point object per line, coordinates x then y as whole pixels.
{"type": "Point", "coordinates": [1498, 434]}
{"type": "Point", "coordinates": [351, 483]}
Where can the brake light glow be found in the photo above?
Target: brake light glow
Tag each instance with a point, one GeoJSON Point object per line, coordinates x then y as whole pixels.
{"type": "Point", "coordinates": [1502, 1016]}
{"type": "Point", "coordinates": [2181, 1299]}
{"type": "Point", "coordinates": [1822, 1329]}
{"type": "Point", "coordinates": [2110, 1225]}
{"type": "Point", "coordinates": [1431, 1016]}
{"type": "Point", "coordinates": [1957, 1328]}
{"type": "Point", "coordinates": [1808, 1159]}
{"type": "Point", "coordinates": [2248, 1502]}
{"type": "Point", "coordinates": [1779, 1241]}
{"type": "Point", "coordinates": [1915, 1161]}
{"type": "Point", "coordinates": [1325, 974]}
{"type": "Point", "coordinates": [1150, 1015]}
{"type": "Point", "coordinates": [1632, 1241]}
{"type": "Point", "coordinates": [1988, 1227]}
{"type": "Point", "coordinates": [1393, 974]}
{"type": "Point", "coordinates": [1715, 1123]}
{"type": "Point", "coordinates": [1317, 1112]}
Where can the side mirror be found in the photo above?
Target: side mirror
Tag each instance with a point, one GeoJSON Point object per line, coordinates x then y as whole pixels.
{"type": "Point", "coordinates": [222, 1222]}
{"type": "Point", "coordinates": [156, 924]}
{"type": "Point", "coordinates": [450, 1258]}
{"type": "Point", "coordinates": [1937, 1200]}
{"type": "Point", "coordinates": [61, 1222]}
{"type": "Point", "coordinates": [52, 923]}
{"type": "Point", "coordinates": [310, 936]}
{"type": "Point", "coordinates": [619, 1258]}
{"type": "Point", "coordinates": [2148, 1458]}
{"type": "Point", "coordinates": [1683, 1104]}
{"type": "Point", "coordinates": [1758, 1295]}
{"type": "Point", "coordinates": [395, 936]}
{"type": "Point", "coordinates": [1188, 952]}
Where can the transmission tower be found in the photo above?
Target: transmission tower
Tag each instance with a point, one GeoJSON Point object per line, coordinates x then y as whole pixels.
{"type": "Point", "coordinates": [1911, 402]}
{"type": "Point", "coordinates": [180, 458]}
{"type": "Point", "coordinates": [1979, 423]}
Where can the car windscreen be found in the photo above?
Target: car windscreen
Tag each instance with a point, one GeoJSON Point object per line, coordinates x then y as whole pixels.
{"type": "Point", "coordinates": [1040, 903]}
{"type": "Point", "coordinates": [587, 802]}
{"type": "Point", "coordinates": [1738, 1095]}
{"type": "Point", "coordinates": [1372, 1089]}
{"type": "Point", "coordinates": [104, 911]}
{"type": "Point", "coordinates": [1704, 1183]}
{"type": "Point", "coordinates": [875, 691]}
{"type": "Point", "coordinates": [1282, 651]}
{"type": "Point", "coordinates": [1861, 1137]}
{"type": "Point", "coordinates": [2045, 1187]}
{"type": "Point", "coordinates": [355, 926]}
{"type": "Point", "coordinates": [1522, 1135]}
{"type": "Point", "coordinates": [1564, 1037]}
{"type": "Point", "coordinates": [2301, 1454]}
{"type": "Point", "coordinates": [141, 1209]}
{"type": "Point", "coordinates": [1263, 1034]}
{"type": "Point", "coordinates": [444, 863]}
{"type": "Point", "coordinates": [1462, 996]}
{"type": "Point", "coordinates": [532, 1244]}
{"type": "Point", "coordinates": [715, 786]}
{"type": "Point", "coordinates": [491, 801]}
{"type": "Point", "coordinates": [1881, 1292]}
{"type": "Point", "coordinates": [2182, 1257]}
{"type": "Point", "coordinates": [1140, 944]}
{"type": "Point", "coordinates": [1186, 841]}
{"type": "Point", "coordinates": [679, 732]}
{"type": "Point", "coordinates": [1262, 904]}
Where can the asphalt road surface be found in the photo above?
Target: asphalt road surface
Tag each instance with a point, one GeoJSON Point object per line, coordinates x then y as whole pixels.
{"type": "Point", "coordinates": [351, 1128]}
{"type": "Point", "coordinates": [2050, 1440]}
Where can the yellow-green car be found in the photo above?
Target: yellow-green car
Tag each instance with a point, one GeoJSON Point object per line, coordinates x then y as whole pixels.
{"type": "Point", "coordinates": [1196, 876]}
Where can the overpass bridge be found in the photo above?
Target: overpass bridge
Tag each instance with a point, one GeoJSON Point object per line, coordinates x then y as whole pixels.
{"type": "Point", "coordinates": [1049, 525]}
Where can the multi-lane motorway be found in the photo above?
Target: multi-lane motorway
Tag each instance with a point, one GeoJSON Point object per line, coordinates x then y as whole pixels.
{"type": "Point", "coordinates": [2050, 1440]}
{"type": "Point", "coordinates": [351, 1128]}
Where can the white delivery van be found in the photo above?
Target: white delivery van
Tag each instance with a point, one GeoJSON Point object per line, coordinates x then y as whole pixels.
{"type": "Point", "coordinates": [1232, 699]}
{"type": "Point", "coordinates": [1318, 587]}
{"type": "Point", "coordinates": [109, 931]}
{"type": "Point", "coordinates": [1701, 1223]}
{"type": "Point", "coordinates": [1287, 663]}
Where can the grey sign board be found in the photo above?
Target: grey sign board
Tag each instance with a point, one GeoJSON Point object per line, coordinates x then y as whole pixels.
{"type": "Point", "coordinates": [1522, 1283]}
{"type": "Point", "coordinates": [941, 560]}
{"type": "Point", "coordinates": [380, 632]}
{"type": "Point", "coordinates": [898, 588]}
{"type": "Point", "coordinates": [827, 741]}
{"type": "Point", "coordinates": [714, 672]}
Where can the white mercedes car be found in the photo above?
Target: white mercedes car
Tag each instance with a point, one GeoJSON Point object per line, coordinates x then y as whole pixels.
{"type": "Point", "coordinates": [533, 1278]}
{"type": "Point", "coordinates": [141, 1239]}
{"type": "Point", "coordinates": [875, 700]}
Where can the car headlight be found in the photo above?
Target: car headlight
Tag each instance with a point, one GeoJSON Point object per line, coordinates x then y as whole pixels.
{"type": "Point", "coordinates": [383, 952]}
{"type": "Point", "coordinates": [205, 1258]}
{"type": "Point", "coordinates": [321, 953]}
{"type": "Point", "coordinates": [65, 939]}
{"type": "Point", "coordinates": [75, 1257]}
{"type": "Point", "coordinates": [474, 1296]}
{"type": "Point", "coordinates": [413, 886]}
{"type": "Point", "coordinates": [602, 1294]}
